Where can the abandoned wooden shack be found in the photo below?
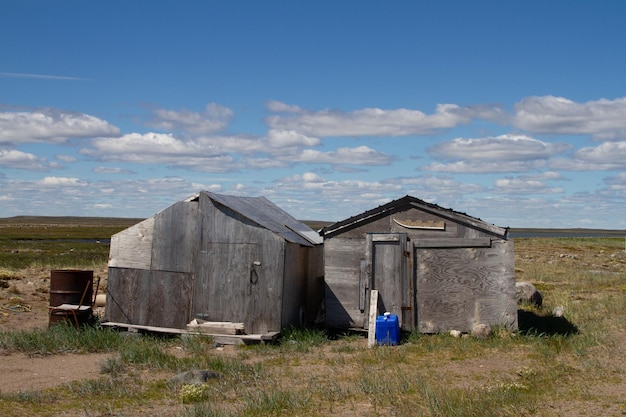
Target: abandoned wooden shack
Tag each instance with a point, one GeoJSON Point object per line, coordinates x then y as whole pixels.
{"type": "Point", "coordinates": [437, 269]}
{"type": "Point", "coordinates": [216, 258]}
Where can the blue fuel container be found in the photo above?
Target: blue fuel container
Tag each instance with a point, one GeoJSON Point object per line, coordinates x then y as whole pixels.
{"type": "Point", "coordinates": [387, 330]}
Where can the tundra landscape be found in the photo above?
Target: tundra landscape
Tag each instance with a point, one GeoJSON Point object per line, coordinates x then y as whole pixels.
{"type": "Point", "coordinates": [567, 359]}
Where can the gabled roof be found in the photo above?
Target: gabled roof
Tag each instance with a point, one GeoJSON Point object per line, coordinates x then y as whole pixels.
{"type": "Point", "coordinates": [268, 215]}
{"type": "Point", "coordinates": [409, 201]}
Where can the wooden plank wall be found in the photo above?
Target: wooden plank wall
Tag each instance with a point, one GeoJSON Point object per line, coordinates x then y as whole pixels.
{"type": "Point", "coordinates": [229, 286]}
{"type": "Point", "coordinates": [151, 298]}
{"type": "Point", "coordinates": [342, 259]}
{"type": "Point", "coordinates": [177, 232]}
{"type": "Point", "coordinates": [458, 288]}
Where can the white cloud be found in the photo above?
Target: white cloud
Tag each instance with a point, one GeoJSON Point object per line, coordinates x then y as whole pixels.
{"type": "Point", "coordinates": [524, 185]}
{"type": "Point", "coordinates": [61, 181]}
{"type": "Point", "coordinates": [603, 119]}
{"type": "Point", "coordinates": [22, 160]}
{"type": "Point", "coordinates": [213, 119]}
{"type": "Point", "coordinates": [501, 148]}
{"type": "Point", "coordinates": [112, 170]}
{"type": "Point", "coordinates": [279, 107]}
{"type": "Point", "coordinates": [290, 138]}
{"type": "Point", "coordinates": [361, 155]}
{"type": "Point", "coordinates": [606, 153]}
{"type": "Point", "coordinates": [481, 167]}
{"type": "Point", "coordinates": [51, 126]}
{"type": "Point", "coordinates": [369, 121]}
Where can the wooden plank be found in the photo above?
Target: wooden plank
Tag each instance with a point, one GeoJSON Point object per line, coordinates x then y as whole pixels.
{"type": "Point", "coordinates": [217, 338]}
{"type": "Point", "coordinates": [371, 334]}
{"type": "Point", "coordinates": [483, 242]}
{"type": "Point", "coordinates": [215, 327]}
{"type": "Point", "coordinates": [384, 237]}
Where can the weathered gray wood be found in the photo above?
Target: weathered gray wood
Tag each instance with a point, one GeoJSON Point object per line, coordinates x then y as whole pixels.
{"type": "Point", "coordinates": [132, 247]}
{"type": "Point", "coordinates": [491, 268]}
{"type": "Point", "coordinates": [176, 237]}
{"type": "Point", "coordinates": [342, 271]}
{"type": "Point", "coordinates": [371, 333]}
{"type": "Point", "coordinates": [482, 242]}
{"type": "Point", "coordinates": [388, 269]}
{"type": "Point", "coordinates": [153, 298]}
{"type": "Point", "coordinates": [214, 327]}
{"type": "Point", "coordinates": [217, 338]}
{"type": "Point", "coordinates": [460, 287]}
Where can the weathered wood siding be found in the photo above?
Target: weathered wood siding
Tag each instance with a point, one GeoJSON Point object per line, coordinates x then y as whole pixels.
{"type": "Point", "coordinates": [345, 303]}
{"type": "Point", "coordinates": [151, 298]}
{"type": "Point", "coordinates": [229, 285]}
{"type": "Point", "coordinates": [294, 286]}
{"type": "Point", "coordinates": [457, 273]}
{"type": "Point", "coordinates": [132, 247]}
{"type": "Point", "coordinates": [177, 231]}
{"type": "Point", "coordinates": [458, 288]}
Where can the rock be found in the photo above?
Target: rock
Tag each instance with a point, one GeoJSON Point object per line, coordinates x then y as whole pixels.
{"type": "Point", "coordinates": [527, 293]}
{"type": "Point", "coordinates": [558, 311]}
{"type": "Point", "coordinates": [455, 333]}
{"type": "Point", "coordinates": [481, 331]}
{"type": "Point", "coordinates": [427, 327]}
{"type": "Point", "coordinates": [195, 376]}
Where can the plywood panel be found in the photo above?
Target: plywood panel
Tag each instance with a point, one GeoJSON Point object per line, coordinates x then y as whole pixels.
{"type": "Point", "coordinates": [146, 297]}
{"type": "Point", "coordinates": [176, 237]}
{"type": "Point", "coordinates": [460, 287]}
{"type": "Point", "coordinates": [132, 247]}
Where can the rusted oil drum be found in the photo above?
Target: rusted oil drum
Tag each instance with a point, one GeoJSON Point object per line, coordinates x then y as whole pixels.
{"type": "Point", "coordinates": [67, 287]}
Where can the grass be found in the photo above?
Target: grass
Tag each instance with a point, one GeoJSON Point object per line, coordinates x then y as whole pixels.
{"type": "Point", "coordinates": [310, 372]}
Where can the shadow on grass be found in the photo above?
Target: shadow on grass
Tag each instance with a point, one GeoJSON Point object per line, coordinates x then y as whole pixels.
{"type": "Point", "coordinates": [531, 323]}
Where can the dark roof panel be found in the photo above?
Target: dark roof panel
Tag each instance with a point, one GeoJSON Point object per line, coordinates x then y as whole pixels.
{"type": "Point", "coordinates": [265, 213]}
{"type": "Point", "coordinates": [405, 201]}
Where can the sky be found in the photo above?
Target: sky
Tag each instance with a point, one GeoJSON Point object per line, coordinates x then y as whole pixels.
{"type": "Point", "coordinates": [513, 112]}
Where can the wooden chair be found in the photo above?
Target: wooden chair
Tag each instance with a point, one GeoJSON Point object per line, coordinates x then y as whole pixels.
{"type": "Point", "coordinates": [84, 307]}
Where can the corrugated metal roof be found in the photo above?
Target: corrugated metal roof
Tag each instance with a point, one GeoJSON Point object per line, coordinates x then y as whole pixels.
{"type": "Point", "coordinates": [383, 210]}
{"type": "Point", "coordinates": [267, 214]}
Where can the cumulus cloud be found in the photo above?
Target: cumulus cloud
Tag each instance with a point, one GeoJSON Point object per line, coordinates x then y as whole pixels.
{"type": "Point", "coordinates": [368, 121]}
{"type": "Point", "coordinates": [604, 157]}
{"type": "Point", "coordinates": [524, 185]}
{"type": "Point", "coordinates": [22, 160]}
{"type": "Point", "coordinates": [482, 167]}
{"type": "Point", "coordinates": [112, 170]}
{"type": "Point", "coordinates": [213, 119]}
{"type": "Point", "coordinates": [603, 119]}
{"type": "Point", "coordinates": [499, 148]}
{"type": "Point", "coordinates": [605, 153]}
{"type": "Point", "coordinates": [61, 181]}
{"type": "Point", "coordinates": [51, 126]}
{"type": "Point", "coordinates": [361, 155]}
{"type": "Point", "coordinates": [279, 107]}
{"type": "Point", "coordinates": [290, 138]}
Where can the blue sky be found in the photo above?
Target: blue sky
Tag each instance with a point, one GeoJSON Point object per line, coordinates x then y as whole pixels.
{"type": "Point", "coordinates": [513, 112]}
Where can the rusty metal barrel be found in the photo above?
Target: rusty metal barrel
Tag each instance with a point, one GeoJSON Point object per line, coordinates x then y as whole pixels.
{"type": "Point", "coordinates": [67, 287]}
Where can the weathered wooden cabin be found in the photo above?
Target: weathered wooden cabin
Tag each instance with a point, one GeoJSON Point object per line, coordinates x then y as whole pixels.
{"type": "Point", "coordinates": [436, 268]}
{"type": "Point", "coordinates": [216, 258]}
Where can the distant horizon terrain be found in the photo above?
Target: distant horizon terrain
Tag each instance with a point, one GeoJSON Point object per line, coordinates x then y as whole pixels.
{"type": "Point", "coordinates": [314, 224]}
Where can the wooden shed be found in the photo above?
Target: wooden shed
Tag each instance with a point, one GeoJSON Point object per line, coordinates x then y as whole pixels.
{"type": "Point", "coordinates": [216, 258]}
{"type": "Point", "coordinates": [436, 268]}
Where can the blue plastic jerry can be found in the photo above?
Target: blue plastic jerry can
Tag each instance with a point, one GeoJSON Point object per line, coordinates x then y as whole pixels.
{"type": "Point", "coordinates": [387, 330]}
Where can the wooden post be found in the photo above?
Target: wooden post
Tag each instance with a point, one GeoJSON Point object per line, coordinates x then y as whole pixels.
{"type": "Point", "coordinates": [371, 332]}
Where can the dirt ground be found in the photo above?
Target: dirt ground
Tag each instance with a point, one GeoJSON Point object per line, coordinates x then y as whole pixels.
{"type": "Point", "coordinates": [24, 305]}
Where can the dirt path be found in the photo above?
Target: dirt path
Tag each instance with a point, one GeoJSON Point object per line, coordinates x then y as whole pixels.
{"type": "Point", "coordinates": [19, 372]}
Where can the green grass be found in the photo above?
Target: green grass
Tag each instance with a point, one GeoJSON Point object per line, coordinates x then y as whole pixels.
{"type": "Point", "coordinates": [310, 372]}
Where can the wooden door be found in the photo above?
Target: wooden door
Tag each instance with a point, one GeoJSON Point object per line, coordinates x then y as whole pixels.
{"type": "Point", "coordinates": [386, 259]}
